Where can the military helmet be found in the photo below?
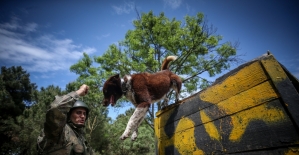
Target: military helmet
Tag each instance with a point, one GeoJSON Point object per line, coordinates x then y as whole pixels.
{"type": "Point", "coordinates": [80, 104]}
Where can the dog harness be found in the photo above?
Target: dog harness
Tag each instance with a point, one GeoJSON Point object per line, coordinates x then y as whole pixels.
{"type": "Point", "coordinates": [126, 84]}
{"type": "Point", "coordinates": [127, 89]}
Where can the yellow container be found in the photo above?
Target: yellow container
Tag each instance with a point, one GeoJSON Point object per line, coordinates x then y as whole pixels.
{"type": "Point", "coordinates": [253, 109]}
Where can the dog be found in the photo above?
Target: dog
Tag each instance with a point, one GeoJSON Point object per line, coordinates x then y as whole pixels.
{"type": "Point", "coordinates": [141, 89]}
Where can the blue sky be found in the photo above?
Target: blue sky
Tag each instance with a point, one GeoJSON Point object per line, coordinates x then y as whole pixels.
{"type": "Point", "coordinates": [47, 37]}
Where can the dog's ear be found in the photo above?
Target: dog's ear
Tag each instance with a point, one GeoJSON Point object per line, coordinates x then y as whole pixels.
{"type": "Point", "coordinates": [115, 77]}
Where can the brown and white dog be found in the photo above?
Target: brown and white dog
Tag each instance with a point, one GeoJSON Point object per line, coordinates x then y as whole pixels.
{"type": "Point", "coordinates": [142, 90]}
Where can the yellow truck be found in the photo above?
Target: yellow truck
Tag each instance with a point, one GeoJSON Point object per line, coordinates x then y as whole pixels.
{"type": "Point", "coordinates": [253, 109]}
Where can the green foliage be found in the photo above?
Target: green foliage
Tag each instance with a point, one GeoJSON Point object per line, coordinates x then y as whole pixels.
{"type": "Point", "coordinates": [154, 37]}
{"type": "Point", "coordinates": [29, 125]}
{"type": "Point", "coordinates": [96, 125]}
{"type": "Point", "coordinates": [144, 144]}
{"type": "Point", "coordinates": [16, 93]}
{"type": "Point", "coordinates": [198, 47]}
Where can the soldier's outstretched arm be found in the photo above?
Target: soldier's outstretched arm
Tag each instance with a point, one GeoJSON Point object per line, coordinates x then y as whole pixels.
{"type": "Point", "coordinates": [56, 116]}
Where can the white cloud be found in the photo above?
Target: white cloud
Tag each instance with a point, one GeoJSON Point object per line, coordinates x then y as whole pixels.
{"type": "Point", "coordinates": [173, 3]}
{"type": "Point", "coordinates": [12, 25]}
{"type": "Point", "coordinates": [125, 8]}
{"type": "Point", "coordinates": [30, 27]}
{"type": "Point", "coordinates": [103, 36]}
{"type": "Point", "coordinates": [188, 8]}
{"type": "Point", "coordinates": [39, 54]}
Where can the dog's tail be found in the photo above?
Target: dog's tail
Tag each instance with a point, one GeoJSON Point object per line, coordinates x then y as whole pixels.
{"type": "Point", "coordinates": [165, 64]}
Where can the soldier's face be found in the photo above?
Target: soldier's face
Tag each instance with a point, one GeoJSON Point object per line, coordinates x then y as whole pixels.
{"type": "Point", "coordinates": [78, 116]}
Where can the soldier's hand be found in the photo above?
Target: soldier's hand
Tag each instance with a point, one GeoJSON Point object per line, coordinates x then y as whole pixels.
{"type": "Point", "coordinates": [83, 90]}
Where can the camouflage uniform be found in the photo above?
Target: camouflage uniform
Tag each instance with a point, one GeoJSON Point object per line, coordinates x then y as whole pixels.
{"type": "Point", "coordinates": [60, 136]}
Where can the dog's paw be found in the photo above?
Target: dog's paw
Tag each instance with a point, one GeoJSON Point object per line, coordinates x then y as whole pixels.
{"type": "Point", "coordinates": [125, 134]}
{"type": "Point", "coordinates": [134, 136]}
{"type": "Point", "coordinates": [123, 137]}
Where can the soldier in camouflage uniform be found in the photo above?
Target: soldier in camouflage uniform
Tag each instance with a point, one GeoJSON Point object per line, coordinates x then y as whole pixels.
{"type": "Point", "coordinates": [63, 130]}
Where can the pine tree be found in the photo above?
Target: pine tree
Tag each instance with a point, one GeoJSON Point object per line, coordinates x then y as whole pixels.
{"type": "Point", "coordinates": [154, 37]}
{"type": "Point", "coordinates": [17, 93]}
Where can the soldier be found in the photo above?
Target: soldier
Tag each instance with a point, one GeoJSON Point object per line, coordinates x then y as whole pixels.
{"type": "Point", "coordinates": [63, 129]}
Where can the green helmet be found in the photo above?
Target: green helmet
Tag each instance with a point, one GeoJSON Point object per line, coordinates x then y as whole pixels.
{"type": "Point", "coordinates": [80, 104]}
